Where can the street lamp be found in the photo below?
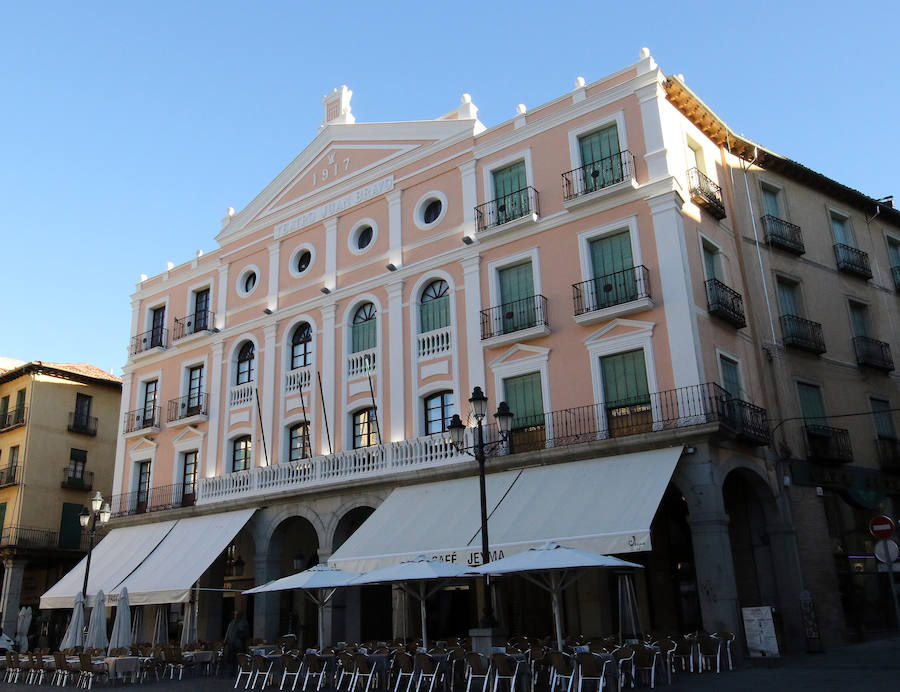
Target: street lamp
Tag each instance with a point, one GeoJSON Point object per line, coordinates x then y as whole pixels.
{"type": "Point", "coordinates": [99, 510]}
{"type": "Point", "coordinates": [457, 430]}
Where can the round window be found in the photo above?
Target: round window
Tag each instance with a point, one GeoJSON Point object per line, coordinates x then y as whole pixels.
{"type": "Point", "coordinates": [364, 237]}
{"type": "Point", "coordinates": [432, 211]}
{"type": "Point", "coordinates": [249, 281]}
{"type": "Point", "coordinates": [304, 259]}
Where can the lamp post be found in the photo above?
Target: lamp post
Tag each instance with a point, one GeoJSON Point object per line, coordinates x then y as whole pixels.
{"type": "Point", "coordinates": [99, 510]}
{"type": "Point", "coordinates": [457, 435]}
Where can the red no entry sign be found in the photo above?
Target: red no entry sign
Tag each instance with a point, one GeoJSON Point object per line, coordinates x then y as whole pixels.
{"type": "Point", "coordinates": [881, 526]}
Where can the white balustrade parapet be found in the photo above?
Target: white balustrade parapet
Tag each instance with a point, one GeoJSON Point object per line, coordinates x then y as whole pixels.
{"type": "Point", "coordinates": [434, 343]}
{"type": "Point", "coordinates": [361, 363]}
{"type": "Point", "coordinates": [298, 379]}
{"type": "Point", "coordinates": [241, 395]}
{"type": "Point", "coordinates": [369, 462]}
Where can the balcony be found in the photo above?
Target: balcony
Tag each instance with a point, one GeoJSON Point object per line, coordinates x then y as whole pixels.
{"type": "Point", "coordinates": [187, 409]}
{"type": "Point", "coordinates": [873, 353]}
{"type": "Point", "coordinates": [23, 537]}
{"type": "Point", "coordinates": [362, 363]}
{"type": "Point", "coordinates": [526, 318]}
{"type": "Point", "coordinates": [198, 323]}
{"type": "Point", "coordinates": [298, 379]}
{"type": "Point", "coordinates": [678, 409]}
{"type": "Point", "coordinates": [242, 395]}
{"type": "Point", "coordinates": [522, 204]}
{"type": "Point", "coordinates": [614, 294]}
{"type": "Point", "coordinates": [74, 480]}
{"type": "Point", "coordinates": [888, 454]}
{"type": "Point", "coordinates": [155, 338]}
{"type": "Point", "coordinates": [895, 274]}
{"type": "Point", "coordinates": [784, 235]}
{"type": "Point", "coordinates": [154, 500]}
{"type": "Point", "coordinates": [82, 424]}
{"type": "Point", "coordinates": [705, 193]}
{"type": "Point", "coordinates": [14, 418]}
{"type": "Point", "coordinates": [10, 475]}
{"type": "Point", "coordinates": [433, 344]}
{"type": "Point", "coordinates": [142, 420]}
{"type": "Point", "coordinates": [602, 175]}
{"type": "Point", "coordinates": [802, 333]}
{"type": "Point", "coordinates": [725, 303]}
{"type": "Point", "coordinates": [852, 261]}
{"type": "Point", "coordinates": [828, 445]}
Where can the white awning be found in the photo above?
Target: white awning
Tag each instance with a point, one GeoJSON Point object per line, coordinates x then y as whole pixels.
{"type": "Point", "coordinates": [112, 560]}
{"type": "Point", "coordinates": [158, 563]}
{"type": "Point", "coordinates": [604, 505]}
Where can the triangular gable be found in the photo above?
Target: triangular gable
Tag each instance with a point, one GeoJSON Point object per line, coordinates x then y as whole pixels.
{"type": "Point", "coordinates": [189, 435]}
{"type": "Point", "coordinates": [518, 352]}
{"type": "Point", "coordinates": [619, 327]}
{"type": "Point", "coordinates": [144, 446]}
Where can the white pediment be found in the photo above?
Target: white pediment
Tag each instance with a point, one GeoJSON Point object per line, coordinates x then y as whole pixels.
{"type": "Point", "coordinates": [189, 435]}
{"type": "Point", "coordinates": [518, 352]}
{"type": "Point", "coordinates": [624, 326]}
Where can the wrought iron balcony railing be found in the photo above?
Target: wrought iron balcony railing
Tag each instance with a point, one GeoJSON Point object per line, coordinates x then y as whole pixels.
{"type": "Point", "coordinates": [10, 475]}
{"type": "Point", "coordinates": [187, 406]}
{"type": "Point", "coordinates": [14, 418]}
{"type": "Point", "coordinates": [142, 419]}
{"type": "Point", "coordinates": [513, 317]}
{"type": "Point", "coordinates": [705, 193]}
{"type": "Point", "coordinates": [874, 353]}
{"type": "Point", "coordinates": [75, 480]}
{"type": "Point", "coordinates": [802, 333]}
{"type": "Point", "coordinates": [508, 208]}
{"type": "Point", "coordinates": [82, 423]}
{"type": "Point", "coordinates": [725, 303]}
{"type": "Point", "coordinates": [895, 274]}
{"type": "Point", "coordinates": [828, 445]}
{"type": "Point", "coordinates": [24, 537]}
{"type": "Point", "coordinates": [152, 500]}
{"type": "Point", "coordinates": [613, 289]}
{"type": "Point", "coordinates": [852, 261]}
{"type": "Point", "coordinates": [780, 233]}
{"type": "Point", "coordinates": [155, 338]}
{"type": "Point", "coordinates": [597, 175]}
{"type": "Point", "coordinates": [193, 324]}
{"type": "Point", "coordinates": [888, 454]}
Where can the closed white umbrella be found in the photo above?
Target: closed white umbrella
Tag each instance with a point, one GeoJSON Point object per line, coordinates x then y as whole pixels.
{"type": "Point", "coordinates": [161, 626]}
{"type": "Point", "coordinates": [137, 623]}
{"type": "Point", "coordinates": [552, 565]}
{"type": "Point", "coordinates": [319, 583]}
{"type": "Point", "coordinates": [21, 631]}
{"type": "Point", "coordinates": [419, 571]}
{"type": "Point", "coordinates": [121, 631]}
{"type": "Point", "coordinates": [96, 636]}
{"type": "Point", "coordinates": [74, 635]}
{"type": "Point", "coordinates": [189, 626]}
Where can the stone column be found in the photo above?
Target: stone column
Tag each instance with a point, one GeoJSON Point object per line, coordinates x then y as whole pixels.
{"type": "Point", "coordinates": [266, 606]}
{"type": "Point", "coordinates": [13, 572]}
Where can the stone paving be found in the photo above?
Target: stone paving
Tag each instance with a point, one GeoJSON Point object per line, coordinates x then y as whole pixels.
{"type": "Point", "coordinates": [872, 666]}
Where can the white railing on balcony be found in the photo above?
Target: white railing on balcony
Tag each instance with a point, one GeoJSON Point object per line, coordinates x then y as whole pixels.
{"type": "Point", "coordinates": [361, 363]}
{"type": "Point", "coordinates": [298, 380]}
{"type": "Point", "coordinates": [369, 462]}
{"type": "Point", "coordinates": [434, 343]}
{"type": "Point", "coordinates": [241, 395]}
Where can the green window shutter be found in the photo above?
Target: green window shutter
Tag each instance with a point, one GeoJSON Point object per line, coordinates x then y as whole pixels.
{"type": "Point", "coordinates": [20, 400]}
{"type": "Point", "coordinates": [625, 378]}
{"type": "Point", "coordinates": [858, 319]}
{"type": "Point", "coordinates": [787, 298]}
{"type": "Point", "coordinates": [894, 253]}
{"type": "Point", "coordinates": [611, 257]}
{"type": "Point", "coordinates": [78, 455]}
{"type": "Point", "coordinates": [4, 409]}
{"type": "Point", "coordinates": [884, 421]}
{"type": "Point", "coordinates": [841, 230]}
{"type": "Point", "coordinates": [811, 404]}
{"type": "Point", "coordinates": [363, 336]}
{"type": "Point", "coordinates": [70, 526]}
{"type": "Point", "coordinates": [510, 179]}
{"type": "Point", "coordinates": [770, 202]}
{"type": "Point", "coordinates": [434, 314]}
{"type": "Point", "coordinates": [731, 380]}
{"type": "Point", "coordinates": [517, 297]}
{"type": "Point", "coordinates": [525, 399]}
{"type": "Point", "coordinates": [599, 162]}
{"type": "Point", "coordinates": [3, 514]}
{"type": "Point", "coordinates": [711, 263]}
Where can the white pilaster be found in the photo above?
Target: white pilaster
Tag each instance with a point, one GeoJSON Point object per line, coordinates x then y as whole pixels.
{"type": "Point", "coordinates": [272, 299]}
{"type": "Point", "coordinates": [397, 411]}
{"type": "Point", "coordinates": [222, 296]}
{"type": "Point", "coordinates": [267, 393]}
{"type": "Point", "coordinates": [395, 228]}
{"type": "Point", "coordinates": [677, 293]}
{"type": "Point", "coordinates": [474, 351]}
{"type": "Point", "coordinates": [469, 195]}
{"type": "Point", "coordinates": [135, 322]}
{"type": "Point", "coordinates": [217, 410]}
{"type": "Point", "coordinates": [661, 133]}
{"type": "Point", "coordinates": [330, 277]}
{"type": "Point", "coordinates": [119, 467]}
{"type": "Point", "coordinates": [329, 373]}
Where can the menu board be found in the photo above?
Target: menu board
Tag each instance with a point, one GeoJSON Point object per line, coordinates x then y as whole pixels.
{"type": "Point", "coordinates": [759, 628]}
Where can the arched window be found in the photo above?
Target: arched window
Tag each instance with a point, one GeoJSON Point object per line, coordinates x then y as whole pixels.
{"type": "Point", "coordinates": [434, 310]}
{"type": "Point", "coordinates": [245, 370]}
{"type": "Point", "coordinates": [439, 410]}
{"type": "Point", "coordinates": [365, 428]}
{"type": "Point", "coordinates": [301, 350]}
{"type": "Point", "coordinates": [241, 453]}
{"type": "Point", "coordinates": [363, 335]}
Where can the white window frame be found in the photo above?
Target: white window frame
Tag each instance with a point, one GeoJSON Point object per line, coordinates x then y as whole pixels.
{"type": "Point", "coordinates": [538, 361]}
{"type": "Point", "coordinates": [419, 209]}
{"type": "Point", "coordinates": [490, 193]}
{"type": "Point", "coordinates": [585, 237]}
{"type": "Point", "coordinates": [233, 356]}
{"type": "Point", "coordinates": [431, 389]}
{"type": "Point", "coordinates": [704, 239]}
{"type": "Point", "coordinates": [496, 265]}
{"type": "Point", "coordinates": [779, 190]}
{"type": "Point", "coordinates": [286, 425]}
{"type": "Point", "coordinates": [834, 211]}
{"type": "Point", "coordinates": [229, 449]}
{"type": "Point", "coordinates": [289, 333]}
{"type": "Point", "coordinates": [720, 354]}
{"type": "Point", "coordinates": [242, 275]}
{"type": "Point", "coordinates": [186, 378]}
{"type": "Point", "coordinates": [354, 232]}
{"type": "Point", "coordinates": [148, 314]}
{"type": "Point", "coordinates": [194, 289]}
{"type": "Point", "coordinates": [575, 151]}
{"type": "Point", "coordinates": [296, 254]}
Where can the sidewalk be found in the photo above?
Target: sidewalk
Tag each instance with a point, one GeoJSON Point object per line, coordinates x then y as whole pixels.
{"type": "Point", "coordinates": [873, 665]}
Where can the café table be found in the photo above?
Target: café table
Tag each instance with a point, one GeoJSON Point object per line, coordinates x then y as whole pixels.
{"type": "Point", "coordinates": [120, 666]}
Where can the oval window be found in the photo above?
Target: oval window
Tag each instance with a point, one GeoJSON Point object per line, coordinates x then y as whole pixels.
{"type": "Point", "coordinates": [432, 211]}
{"type": "Point", "coordinates": [303, 261]}
{"type": "Point", "coordinates": [364, 237]}
{"type": "Point", "coordinates": [249, 281]}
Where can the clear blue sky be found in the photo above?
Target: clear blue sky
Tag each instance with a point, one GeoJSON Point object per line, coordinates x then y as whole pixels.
{"type": "Point", "coordinates": [127, 128]}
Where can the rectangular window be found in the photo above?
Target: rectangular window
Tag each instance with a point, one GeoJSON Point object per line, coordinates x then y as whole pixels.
{"type": "Point", "coordinates": [158, 325]}
{"type": "Point", "coordinates": [151, 390]}
{"type": "Point", "coordinates": [365, 430]}
{"type": "Point", "coordinates": [626, 393]}
{"type": "Point", "coordinates": [4, 410]}
{"type": "Point", "coordinates": [812, 406]}
{"type": "Point", "coordinates": [195, 390]}
{"type": "Point", "coordinates": [510, 197]}
{"type": "Point", "coordinates": [695, 157]}
{"type": "Point", "coordinates": [771, 205]}
{"type": "Point", "coordinates": [884, 419]}
{"type": "Point", "coordinates": [143, 483]}
{"type": "Point", "coordinates": [517, 297]}
{"type": "Point", "coordinates": [70, 526]}
{"type": "Point", "coordinates": [524, 396]}
{"type": "Point", "coordinates": [14, 456]}
{"type": "Point", "coordinates": [20, 404]}
{"type": "Point", "coordinates": [731, 379]}
{"type": "Point", "coordinates": [788, 301]}
{"type": "Point", "coordinates": [298, 442]}
{"type": "Point", "coordinates": [894, 252]}
{"type": "Point", "coordinates": [241, 452]}
{"type": "Point", "coordinates": [613, 262]}
{"type": "Point", "coordinates": [82, 409]}
{"type": "Point", "coordinates": [201, 310]}
{"type": "Point", "coordinates": [600, 158]}
{"type": "Point", "coordinates": [439, 410]}
{"type": "Point", "coordinates": [840, 226]}
{"type": "Point", "coordinates": [77, 461]}
{"type": "Point", "coordinates": [711, 262]}
{"type": "Point", "coordinates": [858, 322]}
{"type": "Point", "coordinates": [189, 477]}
